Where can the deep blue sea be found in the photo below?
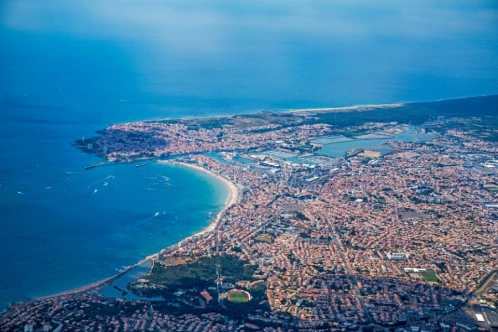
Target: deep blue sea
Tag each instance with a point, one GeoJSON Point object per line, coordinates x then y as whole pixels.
{"type": "Point", "coordinates": [68, 68]}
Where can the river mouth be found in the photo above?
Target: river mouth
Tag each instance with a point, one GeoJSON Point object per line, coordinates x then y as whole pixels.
{"type": "Point", "coordinates": [118, 287]}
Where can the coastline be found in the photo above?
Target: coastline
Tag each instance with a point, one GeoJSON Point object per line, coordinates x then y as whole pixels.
{"type": "Point", "coordinates": [233, 197]}
{"type": "Point", "coordinates": [233, 191]}
{"type": "Point", "coordinates": [337, 109]}
{"type": "Point", "coordinates": [357, 108]}
{"type": "Point", "coordinates": [300, 111]}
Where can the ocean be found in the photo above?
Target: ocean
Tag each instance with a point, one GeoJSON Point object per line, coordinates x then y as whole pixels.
{"type": "Point", "coordinates": [69, 68]}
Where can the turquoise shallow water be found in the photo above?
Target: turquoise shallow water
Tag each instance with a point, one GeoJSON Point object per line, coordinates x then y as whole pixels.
{"type": "Point", "coordinates": [79, 226]}
{"type": "Point", "coordinates": [68, 68]}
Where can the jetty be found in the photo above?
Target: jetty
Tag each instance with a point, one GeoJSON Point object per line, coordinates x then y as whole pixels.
{"type": "Point", "coordinates": [100, 164]}
{"type": "Point", "coordinates": [147, 163]}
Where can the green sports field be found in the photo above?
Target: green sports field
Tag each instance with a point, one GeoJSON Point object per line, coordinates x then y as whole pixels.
{"type": "Point", "coordinates": [237, 297]}
{"type": "Point", "coordinates": [429, 277]}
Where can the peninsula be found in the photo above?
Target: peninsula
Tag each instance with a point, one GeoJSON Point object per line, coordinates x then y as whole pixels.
{"type": "Point", "coordinates": [399, 231]}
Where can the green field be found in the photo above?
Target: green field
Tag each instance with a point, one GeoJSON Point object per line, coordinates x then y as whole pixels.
{"type": "Point", "coordinates": [491, 187]}
{"type": "Point", "coordinates": [199, 273]}
{"type": "Point", "coordinates": [237, 297]}
{"type": "Point", "coordinates": [429, 277]}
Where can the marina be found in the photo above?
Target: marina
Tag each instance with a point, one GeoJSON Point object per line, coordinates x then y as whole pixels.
{"type": "Point", "coordinates": [118, 287]}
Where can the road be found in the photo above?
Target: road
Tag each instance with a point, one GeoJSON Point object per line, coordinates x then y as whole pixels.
{"type": "Point", "coordinates": [354, 283]}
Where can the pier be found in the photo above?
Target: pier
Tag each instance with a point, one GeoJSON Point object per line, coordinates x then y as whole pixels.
{"type": "Point", "coordinates": [147, 163]}
{"type": "Point", "coordinates": [100, 164]}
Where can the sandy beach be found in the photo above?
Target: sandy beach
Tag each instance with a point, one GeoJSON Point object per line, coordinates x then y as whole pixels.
{"type": "Point", "coordinates": [232, 198]}
{"type": "Point", "coordinates": [338, 109]}
{"type": "Point", "coordinates": [357, 108]}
